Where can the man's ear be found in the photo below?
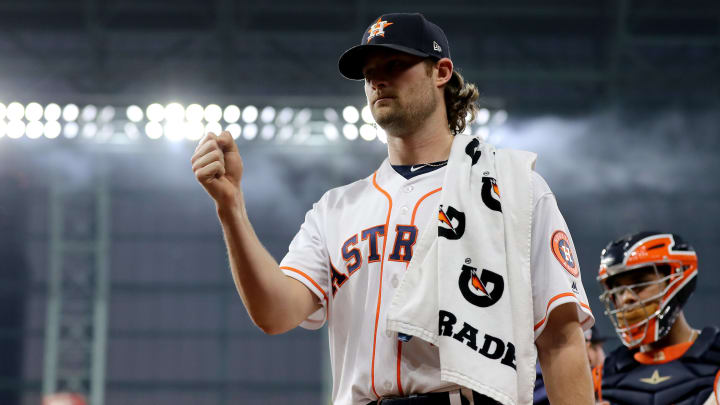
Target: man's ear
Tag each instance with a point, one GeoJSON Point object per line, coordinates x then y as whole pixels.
{"type": "Point", "coordinates": [445, 69]}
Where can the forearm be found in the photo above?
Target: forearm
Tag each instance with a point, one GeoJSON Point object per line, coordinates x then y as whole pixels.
{"type": "Point", "coordinates": [563, 359]}
{"type": "Point", "coordinates": [275, 302]}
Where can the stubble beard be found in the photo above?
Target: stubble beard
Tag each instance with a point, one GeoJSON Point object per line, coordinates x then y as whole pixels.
{"type": "Point", "coordinates": [401, 120]}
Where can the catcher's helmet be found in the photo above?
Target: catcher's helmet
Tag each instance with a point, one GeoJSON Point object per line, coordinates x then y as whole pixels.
{"type": "Point", "coordinates": [643, 321]}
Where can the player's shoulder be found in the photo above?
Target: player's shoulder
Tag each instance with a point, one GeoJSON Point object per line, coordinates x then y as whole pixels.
{"type": "Point", "coordinates": [707, 345]}
{"type": "Point", "coordinates": [338, 196]}
{"type": "Point", "coordinates": [618, 360]}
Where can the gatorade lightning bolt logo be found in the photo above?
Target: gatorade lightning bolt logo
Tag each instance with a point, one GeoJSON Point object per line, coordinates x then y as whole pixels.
{"type": "Point", "coordinates": [378, 29]}
{"type": "Point", "coordinates": [475, 289]}
{"type": "Point", "coordinates": [560, 245]}
{"type": "Point", "coordinates": [446, 229]}
{"type": "Point", "coordinates": [491, 194]}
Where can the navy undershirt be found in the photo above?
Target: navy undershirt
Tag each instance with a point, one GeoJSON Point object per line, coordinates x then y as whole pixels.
{"type": "Point", "coordinates": [410, 171]}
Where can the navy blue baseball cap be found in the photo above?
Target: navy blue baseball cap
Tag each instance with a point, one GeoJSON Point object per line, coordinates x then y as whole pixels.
{"type": "Point", "coordinates": [405, 32]}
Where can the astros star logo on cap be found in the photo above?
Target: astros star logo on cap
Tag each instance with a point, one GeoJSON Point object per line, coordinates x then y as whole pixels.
{"type": "Point", "coordinates": [378, 29]}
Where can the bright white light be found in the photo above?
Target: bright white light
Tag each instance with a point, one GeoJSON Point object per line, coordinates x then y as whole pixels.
{"type": "Point", "coordinates": [213, 127]}
{"type": "Point", "coordinates": [131, 130]}
{"type": "Point", "coordinates": [350, 114]}
{"type": "Point", "coordinates": [350, 132]}
{"type": "Point", "coordinates": [174, 112]}
{"type": "Point", "coordinates": [89, 130]}
{"type": "Point", "coordinates": [213, 113]}
{"type": "Point", "coordinates": [267, 114]}
{"type": "Point", "coordinates": [234, 129]}
{"type": "Point", "coordinates": [52, 129]}
{"type": "Point", "coordinates": [368, 132]}
{"type": "Point", "coordinates": [153, 129]}
{"type": "Point", "coordinates": [52, 112]}
{"type": "Point", "coordinates": [267, 132]}
{"type": "Point", "coordinates": [107, 114]}
{"type": "Point", "coordinates": [70, 113]}
{"type": "Point", "coordinates": [33, 112]}
{"type": "Point", "coordinates": [500, 117]}
{"type": "Point", "coordinates": [15, 111]}
{"type": "Point", "coordinates": [285, 116]}
{"type": "Point", "coordinates": [105, 132]}
{"type": "Point", "coordinates": [330, 115]}
{"type": "Point", "coordinates": [381, 135]}
{"type": "Point", "coordinates": [285, 133]}
{"type": "Point", "coordinates": [330, 131]}
{"type": "Point", "coordinates": [367, 115]}
{"type": "Point", "coordinates": [303, 117]}
{"type": "Point", "coordinates": [250, 114]}
{"type": "Point", "coordinates": [482, 116]}
{"type": "Point", "coordinates": [34, 129]}
{"type": "Point", "coordinates": [194, 130]}
{"type": "Point", "coordinates": [134, 113]}
{"type": "Point", "coordinates": [71, 129]}
{"type": "Point", "coordinates": [302, 134]}
{"type": "Point", "coordinates": [89, 113]}
{"type": "Point", "coordinates": [3, 110]}
{"type": "Point", "coordinates": [250, 131]}
{"type": "Point", "coordinates": [3, 127]}
{"type": "Point", "coordinates": [194, 113]}
{"type": "Point", "coordinates": [155, 112]}
{"type": "Point", "coordinates": [174, 130]}
{"type": "Point", "coordinates": [15, 129]}
{"type": "Point", "coordinates": [231, 114]}
{"type": "Point", "coordinates": [483, 133]}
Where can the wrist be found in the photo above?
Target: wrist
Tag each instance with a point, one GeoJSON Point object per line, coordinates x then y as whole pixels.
{"type": "Point", "coordinates": [231, 208]}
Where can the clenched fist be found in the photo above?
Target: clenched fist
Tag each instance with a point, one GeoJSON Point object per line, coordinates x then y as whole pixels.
{"type": "Point", "coordinates": [218, 167]}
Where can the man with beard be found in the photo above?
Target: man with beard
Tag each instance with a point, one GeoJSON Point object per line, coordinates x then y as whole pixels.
{"type": "Point", "coordinates": [352, 251]}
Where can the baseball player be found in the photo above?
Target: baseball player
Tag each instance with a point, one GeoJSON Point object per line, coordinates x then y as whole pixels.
{"type": "Point", "coordinates": [350, 254]}
{"type": "Point", "coordinates": [646, 279]}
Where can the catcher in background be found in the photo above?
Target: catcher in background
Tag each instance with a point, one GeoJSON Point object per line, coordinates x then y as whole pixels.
{"type": "Point", "coordinates": [646, 279]}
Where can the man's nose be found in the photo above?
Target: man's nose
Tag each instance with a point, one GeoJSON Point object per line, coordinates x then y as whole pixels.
{"type": "Point", "coordinates": [378, 82]}
{"type": "Point", "coordinates": [627, 296]}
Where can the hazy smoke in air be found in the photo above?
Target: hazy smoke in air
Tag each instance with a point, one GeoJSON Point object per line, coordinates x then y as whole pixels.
{"type": "Point", "coordinates": [664, 151]}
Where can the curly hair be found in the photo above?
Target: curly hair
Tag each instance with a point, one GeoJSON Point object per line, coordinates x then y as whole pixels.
{"type": "Point", "coordinates": [460, 97]}
{"type": "Point", "coordinates": [460, 100]}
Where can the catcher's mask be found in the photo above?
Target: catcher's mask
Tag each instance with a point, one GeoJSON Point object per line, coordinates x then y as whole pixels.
{"type": "Point", "coordinates": [630, 267]}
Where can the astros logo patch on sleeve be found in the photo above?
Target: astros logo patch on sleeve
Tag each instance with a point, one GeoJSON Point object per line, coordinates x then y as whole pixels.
{"type": "Point", "coordinates": [560, 245]}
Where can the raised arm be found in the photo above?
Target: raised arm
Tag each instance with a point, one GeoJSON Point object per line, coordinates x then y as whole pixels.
{"type": "Point", "coordinates": [276, 303]}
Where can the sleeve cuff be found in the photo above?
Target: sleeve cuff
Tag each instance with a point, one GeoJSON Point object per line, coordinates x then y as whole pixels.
{"type": "Point", "coordinates": [317, 319]}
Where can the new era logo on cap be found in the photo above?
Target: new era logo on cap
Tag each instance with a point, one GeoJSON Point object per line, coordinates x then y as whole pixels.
{"type": "Point", "coordinates": [410, 33]}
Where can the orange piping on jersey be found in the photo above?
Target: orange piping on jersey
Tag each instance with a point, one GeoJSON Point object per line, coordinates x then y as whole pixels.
{"type": "Point", "coordinates": [664, 355]}
{"type": "Point", "coordinates": [308, 278]}
{"type": "Point", "coordinates": [553, 299]}
{"type": "Point", "coordinates": [417, 204]}
{"type": "Point", "coordinates": [327, 308]}
{"type": "Point", "coordinates": [715, 387]}
{"type": "Point", "coordinates": [412, 223]}
{"type": "Point", "coordinates": [382, 264]}
{"type": "Point", "coordinates": [597, 381]}
{"type": "Point", "coordinates": [399, 357]}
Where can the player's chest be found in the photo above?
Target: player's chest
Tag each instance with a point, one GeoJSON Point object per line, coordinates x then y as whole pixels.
{"type": "Point", "coordinates": [378, 235]}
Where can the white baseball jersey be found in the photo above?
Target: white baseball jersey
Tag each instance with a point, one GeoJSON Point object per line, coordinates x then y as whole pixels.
{"type": "Point", "coordinates": [352, 252]}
